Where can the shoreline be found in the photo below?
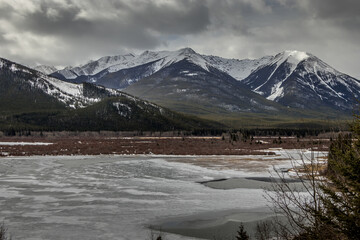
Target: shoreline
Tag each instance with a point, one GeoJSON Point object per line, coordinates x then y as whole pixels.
{"type": "Point", "coordinates": [215, 224]}
{"type": "Point", "coordinates": [225, 224]}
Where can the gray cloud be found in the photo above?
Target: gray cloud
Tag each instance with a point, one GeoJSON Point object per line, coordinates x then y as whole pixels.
{"type": "Point", "coordinates": [335, 9]}
{"type": "Point", "coordinates": [186, 18]}
{"type": "Point", "coordinates": [68, 32]}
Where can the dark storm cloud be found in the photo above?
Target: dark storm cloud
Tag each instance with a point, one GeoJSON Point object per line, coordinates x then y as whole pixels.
{"type": "Point", "coordinates": [64, 32]}
{"type": "Point", "coordinates": [336, 9]}
{"type": "Point", "coordinates": [189, 17]}
{"type": "Point", "coordinates": [119, 24]}
{"type": "Point", "coordinates": [344, 13]}
{"type": "Point", "coordinates": [62, 22]}
{"type": "Point", "coordinates": [185, 17]}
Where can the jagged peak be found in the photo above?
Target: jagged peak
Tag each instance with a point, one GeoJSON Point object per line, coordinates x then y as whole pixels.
{"type": "Point", "coordinates": [187, 51]}
{"type": "Point", "coordinates": [292, 56]}
{"type": "Point", "coordinates": [44, 67]}
{"type": "Point", "coordinates": [115, 57]}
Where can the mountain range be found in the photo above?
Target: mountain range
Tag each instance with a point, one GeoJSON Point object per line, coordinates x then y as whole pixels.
{"type": "Point", "coordinates": [290, 85]}
{"type": "Point", "coordinates": [32, 100]}
{"type": "Point", "coordinates": [189, 82]}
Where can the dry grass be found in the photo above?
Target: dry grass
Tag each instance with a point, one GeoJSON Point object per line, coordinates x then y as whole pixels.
{"type": "Point", "coordinates": [95, 145]}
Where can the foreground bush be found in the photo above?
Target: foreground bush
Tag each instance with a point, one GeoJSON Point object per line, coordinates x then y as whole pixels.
{"type": "Point", "coordinates": [330, 207]}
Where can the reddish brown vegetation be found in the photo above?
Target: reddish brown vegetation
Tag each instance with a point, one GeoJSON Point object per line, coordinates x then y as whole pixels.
{"type": "Point", "coordinates": [94, 145]}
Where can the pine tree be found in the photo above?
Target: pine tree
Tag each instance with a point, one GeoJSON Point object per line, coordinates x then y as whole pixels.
{"type": "Point", "coordinates": [341, 198]}
{"type": "Point", "coordinates": [242, 234]}
{"type": "Point", "coordinates": [330, 209]}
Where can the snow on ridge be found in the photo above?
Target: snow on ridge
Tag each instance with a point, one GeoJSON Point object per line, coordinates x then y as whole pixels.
{"type": "Point", "coordinates": [73, 89]}
{"type": "Point", "coordinates": [161, 59]}
{"type": "Point", "coordinates": [166, 58]}
{"type": "Point", "coordinates": [95, 66]}
{"type": "Point", "coordinates": [294, 57]}
{"type": "Point", "coordinates": [45, 69]}
{"type": "Point", "coordinates": [70, 94]}
{"type": "Point", "coordinates": [68, 73]}
{"type": "Point", "coordinates": [238, 69]}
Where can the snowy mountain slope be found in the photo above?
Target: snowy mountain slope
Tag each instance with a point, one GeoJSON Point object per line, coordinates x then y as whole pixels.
{"type": "Point", "coordinates": [149, 62]}
{"type": "Point", "coordinates": [238, 69]}
{"type": "Point", "coordinates": [33, 101]}
{"type": "Point", "coordinates": [94, 67]}
{"type": "Point", "coordinates": [189, 88]}
{"type": "Point", "coordinates": [120, 62]}
{"type": "Point", "coordinates": [71, 95]}
{"type": "Point", "coordinates": [283, 78]}
{"type": "Point", "coordinates": [47, 70]}
{"type": "Point", "coordinates": [299, 79]}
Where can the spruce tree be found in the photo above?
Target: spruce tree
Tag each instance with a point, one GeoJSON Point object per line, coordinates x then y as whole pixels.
{"type": "Point", "coordinates": [341, 191]}
{"type": "Point", "coordinates": [242, 234]}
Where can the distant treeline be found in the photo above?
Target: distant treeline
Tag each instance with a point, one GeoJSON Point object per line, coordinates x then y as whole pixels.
{"type": "Point", "coordinates": [233, 133]}
{"type": "Point", "coordinates": [264, 132]}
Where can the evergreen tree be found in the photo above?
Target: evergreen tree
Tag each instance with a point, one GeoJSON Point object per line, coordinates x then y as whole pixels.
{"type": "Point", "coordinates": [341, 198]}
{"type": "Point", "coordinates": [330, 207]}
{"type": "Point", "coordinates": [242, 234]}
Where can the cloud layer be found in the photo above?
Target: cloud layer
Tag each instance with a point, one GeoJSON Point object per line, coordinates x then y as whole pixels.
{"type": "Point", "coordinates": [69, 32]}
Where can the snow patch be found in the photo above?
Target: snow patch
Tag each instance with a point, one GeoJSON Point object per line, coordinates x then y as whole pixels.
{"type": "Point", "coordinates": [191, 74]}
{"type": "Point", "coordinates": [276, 92]}
{"type": "Point", "coordinates": [181, 90]}
{"type": "Point", "coordinates": [24, 143]}
{"type": "Point", "coordinates": [123, 109]}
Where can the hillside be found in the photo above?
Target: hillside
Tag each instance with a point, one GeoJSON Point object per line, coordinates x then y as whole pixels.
{"type": "Point", "coordinates": [32, 100]}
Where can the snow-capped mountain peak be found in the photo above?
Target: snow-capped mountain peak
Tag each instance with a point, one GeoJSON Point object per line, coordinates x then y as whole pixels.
{"type": "Point", "coordinates": [166, 58]}
{"type": "Point", "coordinates": [285, 62]}
{"type": "Point", "coordinates": [300, 79]}
{"type": "Point", "coordinates": [72, 95]}
{"type": "Point", "coordinates": [275, 77]}
{"type": "Point", "coordinates": [293, 57]}
{"type": "Point", "coordinates": [95, 66]}
{"type": "Point", "coordinates": [187, 51]}
{"type": "Point", "coordinates": [120, 62]}
{"type": "Point", "coordinates": [45, 69]}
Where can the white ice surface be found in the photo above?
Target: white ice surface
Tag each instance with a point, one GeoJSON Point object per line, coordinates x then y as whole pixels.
{"type": "Point", "coordinates": [23, 143]}
{"type": "Point", "coordinates": [118, 197]}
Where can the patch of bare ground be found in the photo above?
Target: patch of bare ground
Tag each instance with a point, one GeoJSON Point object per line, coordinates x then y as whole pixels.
{"type": "Point", "coordinates": [165, 145]}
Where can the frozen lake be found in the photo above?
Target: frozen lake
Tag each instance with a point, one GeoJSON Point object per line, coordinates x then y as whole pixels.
{"type": "Point", "coordinates": [119, 197]}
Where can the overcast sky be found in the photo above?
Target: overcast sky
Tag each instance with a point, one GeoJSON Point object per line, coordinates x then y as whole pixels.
{"type": "Point", "coordinates": [71, 32]}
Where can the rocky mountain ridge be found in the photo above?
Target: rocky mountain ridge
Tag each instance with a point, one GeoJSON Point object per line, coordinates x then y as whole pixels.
{"type": "Point", "coordinates": [290, 78]}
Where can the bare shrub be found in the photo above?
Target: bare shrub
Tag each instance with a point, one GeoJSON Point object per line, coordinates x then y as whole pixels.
{"type": "Point", "coordinates": [4, 235]}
